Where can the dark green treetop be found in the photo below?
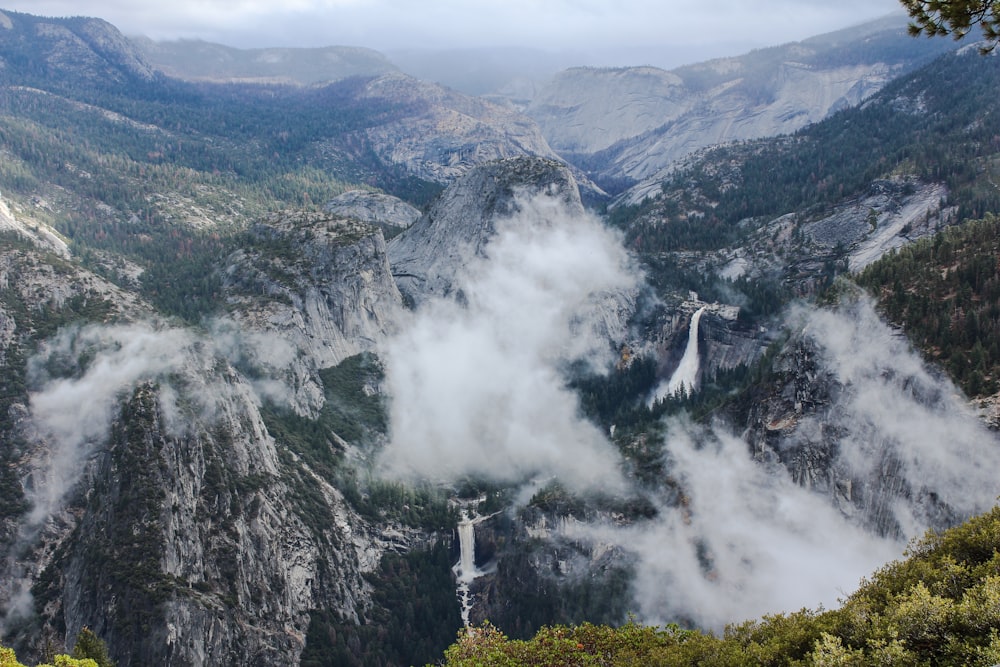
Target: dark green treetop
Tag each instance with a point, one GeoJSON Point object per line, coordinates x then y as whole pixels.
{"type": "Point", "coordinates": [955, 17]}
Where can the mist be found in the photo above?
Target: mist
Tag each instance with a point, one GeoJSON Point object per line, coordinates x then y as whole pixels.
{"type": "Point", "coordinates": [895, 409]}
{"type": "Point", "coordinates": [477, 389]}
{"type": "Point", "coordinates": [77, 382]}
{"type": "Point", "coordinates": [476, 381]}
{"type": "Point", "coordinates": [73, 414]}
{"type": "Point", "coordinates": [748, 541]}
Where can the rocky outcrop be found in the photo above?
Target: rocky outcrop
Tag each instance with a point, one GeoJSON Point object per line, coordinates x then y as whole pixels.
{"type": "Point", "coordinates": [194, 547]}
{"type": "Point", "coordinates": [385, 211]}
{"type": "Point", "coordinates": [427, 257]}
{"type": "Point", "coordinates": [82, 48]}
{"type": "Point", "coordinates": [445, 133]}
{"type": "Point", "coordinates": [852, 414]}
{"type": "Point", "coordinates": [182, 533]}
{"type": "Point", "coordinates": [322, 284]}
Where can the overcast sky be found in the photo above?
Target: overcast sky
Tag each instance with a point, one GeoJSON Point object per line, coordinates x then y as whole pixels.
{"type": "Point", "coordinates": [720, 27]}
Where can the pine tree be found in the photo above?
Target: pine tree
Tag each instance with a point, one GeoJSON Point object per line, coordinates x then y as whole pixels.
{"type": "Point", "coordinates": [89, 645]}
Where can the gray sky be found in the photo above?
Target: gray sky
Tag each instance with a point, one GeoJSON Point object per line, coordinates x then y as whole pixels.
{"type": "Point", "coordinates": [720, 27]}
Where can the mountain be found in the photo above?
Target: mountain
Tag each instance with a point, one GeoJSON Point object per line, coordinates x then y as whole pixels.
{"type": "Point", "coordinates": [626, 124]}
{"type": "Point", "coordinates": [445, 132]}
{"type": "Point", "coordinates": [382, 127]}
{"type": "Point", "coordinates": [60, 49]}
{"type": "Point", "coordinates": [195, 60]}
{"type": "Point", "coordinates": [460, 224]}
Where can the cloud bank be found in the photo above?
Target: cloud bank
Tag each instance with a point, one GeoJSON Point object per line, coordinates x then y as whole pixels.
{"type": "Point", "coordinates": [475, 382]}
{"type": "Point", "coordinates": [73, 414]}
{"type": "Point", "coordinates": [894, 411]}
{"type": "Point", "coordinates": [80, 376]}
{"type": "Point", "coordinates": [476, 389]}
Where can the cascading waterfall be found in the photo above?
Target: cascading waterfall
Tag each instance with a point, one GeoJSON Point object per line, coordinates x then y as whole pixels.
{"type": "Point", "coordinates": [465, 570]}
{"type": "Point", "coordinates": [686, 376]}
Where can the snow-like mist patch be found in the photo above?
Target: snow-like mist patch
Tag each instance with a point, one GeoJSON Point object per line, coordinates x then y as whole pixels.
{"type": "Point", "coordinates": [474, 382]}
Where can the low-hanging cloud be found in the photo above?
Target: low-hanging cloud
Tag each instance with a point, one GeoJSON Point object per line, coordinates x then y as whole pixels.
{"type": "Point", "coordinates": [747, 540]}
{"type": "Point", "coordinates": [77, 382]}
{"type": "Point", "coordinates": [580, 27]}
{"type": "Point", "coordinates": [80, 376]}
{"type": "Point", "coordinates": [73, 413]}
{"type": "Point", "coordinates": [475, 384]}
{"type": "Point", "coordinates": [894, 408]}
{"type": "Point", "coordinates": [476, 389]}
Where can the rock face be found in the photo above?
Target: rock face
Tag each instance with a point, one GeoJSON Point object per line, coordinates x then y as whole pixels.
{"type": "Point", "coordinates": [852, 414]}
{"type": "Point", "coordinates": [386, 211]}
{"type": "Point", "coordinates": [322, 284]}
{"type": "Point", "coordinates": [193, 547]}
{"type": "Point", "coordinates": [180, 530]}
{"type": "Point", "coordinates": [445, 132]}
{"type": "Point", "coordinates": [426, 258]}
{"type": "Point", "coordinates": [631, 123]}
{"type": "Point", "coordinates": [724, 342]}
{"type": "Point", "coordinates": [800, 247]}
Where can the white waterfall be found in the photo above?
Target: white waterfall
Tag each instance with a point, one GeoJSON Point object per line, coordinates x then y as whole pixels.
{"type": "Point", "coordinates": [465, 570]}
{"type": "Point", "coordinates": [686, 375]}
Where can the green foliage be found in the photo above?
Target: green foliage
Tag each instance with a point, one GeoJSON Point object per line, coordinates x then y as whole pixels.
{"type": "Point", "coordinates": [352, 410]}
{"type": "Point", "coordinates": [945, 293]}
{"type": "Point", "coordinates": [938, 606]}
{"type": "Point", "coordinates": [586, 645]}
{"type": "Point", "coordinates": [422, 506]}
{"type": "Point", "coordinates": [955, 17]}
{"type": "Point", "coordinates": [9, 659]}
{"type": "Point", "coordinates": [90, 646]}
{"type": "Point", "coordinates": [608, 399]}
{"type": "Point", "coordinates": [414, 616]}
{"type": "Point", "coordinates": [356, 411]}
{"type": "Point", "coordinates": [121, 555]}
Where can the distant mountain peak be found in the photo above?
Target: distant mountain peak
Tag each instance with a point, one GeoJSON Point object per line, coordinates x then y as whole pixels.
{"type": "Point", "coordinates": [78, 48]}
{"type": "Point", "coordinates": [196, 60]}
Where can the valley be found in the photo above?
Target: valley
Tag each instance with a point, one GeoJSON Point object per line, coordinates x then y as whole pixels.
{"type": "Point", "coordinates": [308, 361]}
